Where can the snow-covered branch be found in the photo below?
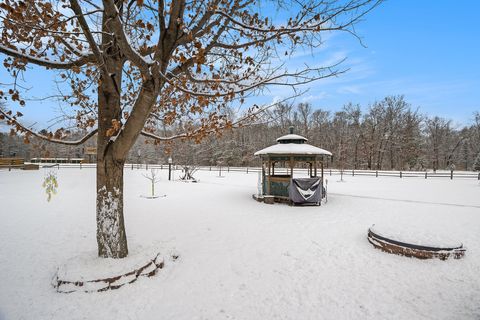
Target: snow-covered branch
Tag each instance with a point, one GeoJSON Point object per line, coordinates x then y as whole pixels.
{"type": "Point", "coordinates": [45, 62]}
{"type": "Point", "coordinates": [24, 129]}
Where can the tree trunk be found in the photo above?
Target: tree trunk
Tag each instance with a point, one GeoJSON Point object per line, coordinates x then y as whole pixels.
{"type": "Point", "coordinates": [355, 155]}
{"type": "Point", "coordinates": [111, 235]}
{"type": "Point", "coordinates": [392, 160]}
{"type": "Point", "coordinates": [380, 156]}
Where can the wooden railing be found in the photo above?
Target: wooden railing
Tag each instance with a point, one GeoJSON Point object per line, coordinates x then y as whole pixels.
{"type": "Point", "coordinates": [12, 163]}
{"type": "Point", "coordinates": [327, 172]}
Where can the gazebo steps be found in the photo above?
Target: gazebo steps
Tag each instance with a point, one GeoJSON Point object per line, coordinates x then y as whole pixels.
{"type": "Point", "coordinates": [271, 199]}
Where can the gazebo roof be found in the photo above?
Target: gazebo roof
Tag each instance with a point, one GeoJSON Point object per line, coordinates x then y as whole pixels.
{"type": "Point", "coordinates": [292, 149]}
{"type": "Point", "coordinates": [292, 145]}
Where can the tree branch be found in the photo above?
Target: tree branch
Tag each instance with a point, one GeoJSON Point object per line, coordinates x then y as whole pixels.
{"type": "Point", "coordinates": [233, 125]}
{"type": "Point", "coordinates": [29, 131]}
{"type": "Point", "coordinates": [44, 62]}
{"type": "Point", "coordinates": [267, 81]}
{"type": "Point", "coordinates": [88, 34]}
{"type": "Point", "coordinates": [112, 12]}
{"type": "Point", "coordinates": [140, 112]}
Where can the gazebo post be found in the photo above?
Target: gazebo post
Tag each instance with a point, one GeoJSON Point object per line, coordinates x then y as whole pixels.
{"type": "Point", "coordinates": [291, 167]}
{"type": "Point", "coordinates": [268, 179]}
{"type": "Point", "coordinates": [264, 177]}
{"type": "Point", "coordinates": [273, 168]}
{"type": "Point", "coordinates": [315, 166]}
{"type": "Point", "coordinates": [322, 168]}
{"type": "Point", "coordinates": [310, 170]}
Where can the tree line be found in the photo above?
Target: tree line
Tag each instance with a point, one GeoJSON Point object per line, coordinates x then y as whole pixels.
{"type": "Point", "coordinates": [386, 135]}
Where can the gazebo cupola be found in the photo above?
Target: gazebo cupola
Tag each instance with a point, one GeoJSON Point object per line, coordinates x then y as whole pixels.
{"type": "Point", "coordinates": [292, 138]}
{"type": "Point", "coordinates": [279, 161]}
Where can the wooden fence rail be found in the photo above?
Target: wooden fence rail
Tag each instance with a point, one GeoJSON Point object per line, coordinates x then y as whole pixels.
{"type": "Point", "coordinates": [328, 172]}
{"type": "Point", "coordinates": [11, 163]}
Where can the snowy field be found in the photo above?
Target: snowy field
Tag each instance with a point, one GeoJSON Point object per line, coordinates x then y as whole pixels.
{"type": "Point", "coordinates": [240, 259]}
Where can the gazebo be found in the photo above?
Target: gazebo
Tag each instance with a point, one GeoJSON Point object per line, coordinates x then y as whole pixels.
{"type": "Point", "coordinates": [281, 161]}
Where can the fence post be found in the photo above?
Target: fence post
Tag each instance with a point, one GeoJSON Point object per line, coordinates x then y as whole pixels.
{"type": "Point", "coordinates": [210, 168]}
{"type": "Point", "coordinates": [478, 176]}
{"type": "Point", "coordinates": [353, 172]}
{"type": "Point", "coordinates": [330, 171]}
{"type": "Point", "coordinates": [80, 166]}
{"type": "Point", "coordinates": [376, 173]}
{"type": "Point", "coordinates": [425, 174]}
{"type": "Point", "coordinates": [400, 174]}
{"type": "Point", "coordinates": [451, 174]}
{"type": "Point", "coordinates": [247, 170]}
{"type": "Point", "coordinates": [228, 169]}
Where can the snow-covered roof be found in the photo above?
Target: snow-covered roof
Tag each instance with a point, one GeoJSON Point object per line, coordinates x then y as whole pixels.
{"type": "Point", "coordinates": [293, 149]}
{"type": "Point", "coordinates": [291, 136]}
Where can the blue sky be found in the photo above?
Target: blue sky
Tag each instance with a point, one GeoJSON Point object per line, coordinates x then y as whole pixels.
{"type": "Point", "coordinates": [427, 50]}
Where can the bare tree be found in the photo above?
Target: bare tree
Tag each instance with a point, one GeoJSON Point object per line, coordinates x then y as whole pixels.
{"type": "Point", "coordinates": [343, 138]}
{"type": "Point", "coordinates": [305, 112]}
{"type": "Point", "coordinates": [282, 114]}
{"type": "Point", "coordinates": [437, 130]}
{"type": "Point", "coordinates": [374, 131]}
{"type": "Point", "coordinates": [188, 172]}
{"type": "Point", "coordinates": [411, 141]}
{"type": "Point", "coordinates": [353, 114]}
{"type": "Point", "coordinates": [476, 164]}
{"type": "Point", "coordinates": [154, 179]}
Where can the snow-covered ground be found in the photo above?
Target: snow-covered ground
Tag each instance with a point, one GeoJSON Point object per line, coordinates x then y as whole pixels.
{"type": "Point", "coordinates": [240, 259]}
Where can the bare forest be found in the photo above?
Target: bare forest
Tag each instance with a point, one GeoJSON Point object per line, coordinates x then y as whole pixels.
{"type": "Point", "coordinates": [388, 134]}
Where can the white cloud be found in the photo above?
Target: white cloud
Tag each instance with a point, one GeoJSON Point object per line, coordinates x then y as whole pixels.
{"type": "Point", "coordinates": [314, 97]}
{"type": "Point", "coordinates": [355, 89]}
